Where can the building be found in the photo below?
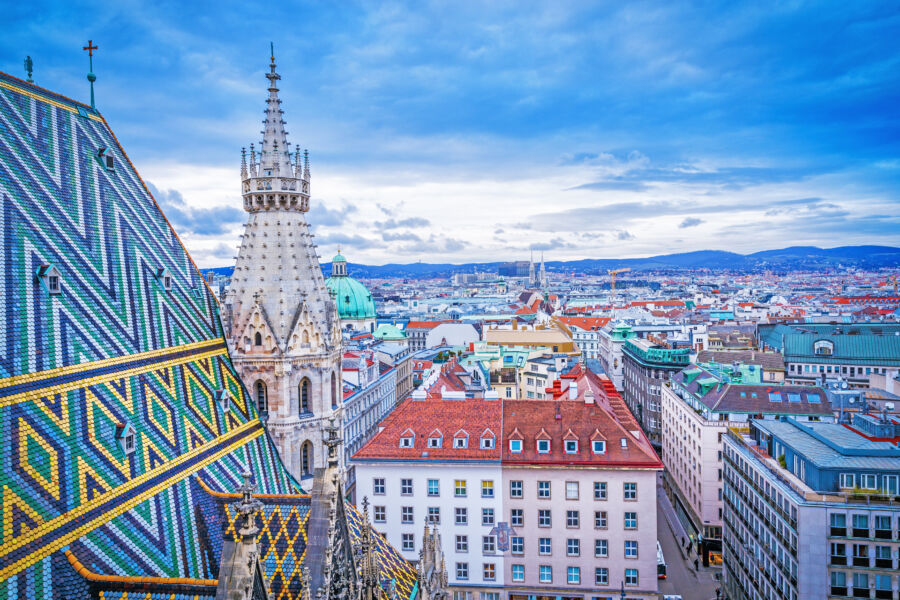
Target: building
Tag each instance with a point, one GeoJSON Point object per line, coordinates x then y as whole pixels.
{"type": "Point", "coordinates": [586, 333]}
{"type": "Point", "coordinates": [369, 389]}
{"type": "Point", "coordinates": [811, 511]}
{"type": "Point", "coordinates": [533, 497]}
{"type": "Point", "coordinates": [770, 364]}
{"type": "Point", "coordinates": [853, 351]}
{"type": "Point", "coordinates": [398, 356]}
{"type": "Point", "coordinates": [540, 373]}
{"type": "Point", "coordinates": [355, 306]}
{"type": "Point", "coordinates": [130, 448]}
{"type": "Point", "coordinates": [451, 334]}
{"type": "Point", "coordinates": [647, 366]}
{"type": "Point", "coordinates": [698, 405]}
{"type": "Point", "coordinates": [610, 340]}
{"type": "Point", "coordinates": [550, 339]}
{"type": "Point", "coordinates": [281, 321]}
{"type": "Point", "coordinates": [417, 331]}
{"type": "Point", "coordinates": [518, 268]}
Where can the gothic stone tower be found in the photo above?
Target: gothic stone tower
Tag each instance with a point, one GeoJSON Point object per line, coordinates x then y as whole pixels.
{"type": "Point", "coordinates": [282, 324]}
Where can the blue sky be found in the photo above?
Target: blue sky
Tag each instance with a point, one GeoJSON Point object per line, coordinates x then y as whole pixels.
{"type": "Point", "coordinates": [457, 131]}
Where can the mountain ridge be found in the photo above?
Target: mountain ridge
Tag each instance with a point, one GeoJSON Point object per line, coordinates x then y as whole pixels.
{"type": "Point", "coordinates": [790, 258]}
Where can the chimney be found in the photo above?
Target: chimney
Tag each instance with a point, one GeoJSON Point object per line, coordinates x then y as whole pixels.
{"type": "Point", "coordinates": [589, 396]}
{"type": "Point", "coordinates": [573, 390]}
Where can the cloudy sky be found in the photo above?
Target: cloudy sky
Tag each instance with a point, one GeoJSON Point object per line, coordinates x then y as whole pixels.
{"type": "Point", "coordinates": [458, 131]}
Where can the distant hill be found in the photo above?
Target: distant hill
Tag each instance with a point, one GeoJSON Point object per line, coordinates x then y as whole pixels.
{"type": "Point", "coordinates": [784, 259]}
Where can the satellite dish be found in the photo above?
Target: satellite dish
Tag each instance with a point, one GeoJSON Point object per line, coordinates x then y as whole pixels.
{"type": "Point", "coordinates": [843, 385]}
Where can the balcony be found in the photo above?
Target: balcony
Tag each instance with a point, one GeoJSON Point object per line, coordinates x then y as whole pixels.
{"type": "Point", "coordinates": [884, 563]}
{"type": "Point", "coordinates": [838, 532]}
{"type": "Point", "coordinates": [861, 561]}
{"type": "Point", "coordinates": [860, 533]}
{"type": "Point", "coordinates": [838, 560]}
{"type": "Point", "coordinates": [884, 594]}
{"type": "Point", "coordinates": [838, 591]}
{"type": "Point", "coordinates": [861, 593]}
{"type": "Point", "coordinates": [883, 534]}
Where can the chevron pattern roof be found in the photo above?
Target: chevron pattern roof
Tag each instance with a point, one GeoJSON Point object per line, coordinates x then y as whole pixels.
{"type": "Point", "coordinates": [117, 394]}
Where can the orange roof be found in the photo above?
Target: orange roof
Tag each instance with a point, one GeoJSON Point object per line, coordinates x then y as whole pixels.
{"type": "Point", "coordinates": [587, 323]}
{"type": "Point", "coordinates": [423, 324]}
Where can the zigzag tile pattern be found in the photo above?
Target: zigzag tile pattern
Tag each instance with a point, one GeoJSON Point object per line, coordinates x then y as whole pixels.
{"type": "Point", "coordinates": [118, 350]}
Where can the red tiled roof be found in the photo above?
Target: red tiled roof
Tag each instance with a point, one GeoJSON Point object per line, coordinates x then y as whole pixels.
{"type": "Point", "coordinates": [473, 415]}
{"type": "Point", "coordinates": [423, 324]}
{"type": "Point", "coordinates": [587, 323]}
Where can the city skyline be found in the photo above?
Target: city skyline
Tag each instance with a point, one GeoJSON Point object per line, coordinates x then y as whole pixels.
{"type": "Point", "coordinates": [601, 132]}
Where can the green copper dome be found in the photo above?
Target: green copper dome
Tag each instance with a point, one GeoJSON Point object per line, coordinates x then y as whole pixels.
{"type": "Point", "coordinates": [353, 300]}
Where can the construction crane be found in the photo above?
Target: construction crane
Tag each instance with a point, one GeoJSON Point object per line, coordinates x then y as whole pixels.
{"type": "Point", "coordinates": [613, 274]}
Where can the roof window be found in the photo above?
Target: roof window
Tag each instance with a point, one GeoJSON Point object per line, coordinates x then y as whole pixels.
{"type": "Point", "coordinates": [813, 399]}
{"type": "Point", "coordinates": [543, 446]}
{"type": "Point", "coordinates": [487, 440]}
{"type": "Point", "coordinates": [407, 439]}
{"type": "Point", "coordinates": [164, 278]}
{"type": "Point", "coordinates": [126, 438]}
{"type": "Point", "coordinates": [461, 440]}
{"type": "Point", "coordinates": [435, 441]}
{"type": "Point", "coordinates": [106, 159]}
{"type": "Point", "coordinates": [598, 447]}
{"type": "Point", "coordinates": [50, 278]}
{"type": "Point", "coordinates": [515, 446]}
{"type": "Point", "coordinates": [223, 397]}
{"type": "Point", "coordinates": [624, 442]}
{"type": "Point", "coordinates": [571, 446]}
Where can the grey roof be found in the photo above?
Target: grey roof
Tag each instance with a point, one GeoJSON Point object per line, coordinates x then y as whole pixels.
{"type": "Point", "coordinates": [767, 360]}
{"type": "Point", "coordinates": [833, 446]}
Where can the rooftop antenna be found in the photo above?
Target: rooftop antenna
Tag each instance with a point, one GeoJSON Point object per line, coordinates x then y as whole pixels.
{"type": "Point", "coordinates": [90, 76]}
{"type": "Point", "coordinates": [29, 67]}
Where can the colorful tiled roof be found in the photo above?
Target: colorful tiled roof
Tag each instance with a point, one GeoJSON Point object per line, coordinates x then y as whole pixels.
{"type": "Point", "coordinates": [130, 343]}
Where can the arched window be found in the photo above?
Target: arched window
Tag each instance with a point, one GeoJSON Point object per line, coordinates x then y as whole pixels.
{"type": "Point", "coordinates": [304, 395]}
{"type": "Point", "coordinates": [305, 337]}
{"type": "Point", "coordinates": [306, 459]}
{"type": "Point", "coordinates": [333, 390]}
{"type": "Point", "coordinates": [258, 339]}
{"type": "Point", "coordinates": [262, 400]}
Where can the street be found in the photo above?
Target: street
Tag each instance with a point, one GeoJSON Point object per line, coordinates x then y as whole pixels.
{"type": "Point", "coordinates": [682, 578]}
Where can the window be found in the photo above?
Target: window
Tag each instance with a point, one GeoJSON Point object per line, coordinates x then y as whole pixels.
{"type": "Point", "coordinates": [304, 395]}
{"type": "Point", "coordinates": [573, 575]}
{"type": "Point", "coordinates": [601, 576]}
{"type": "Point", "coordinates": [257, 339]}
{"type": "Point", "coordinates": [572, 518]}
{"type": "Point", "coordinates": [631, 576]}
{"type": "Point", "coordinates": [380, 514]}
{"type": "Point", "coordinates": [435, 442]}
{"type": "Point", "coordinates": [543, 489]}
{"type": "Point", "coordinates": [515, 446]}
{"type": "Point", "coordinates": [624, 443]}
{"type": "Point", "coordinates": [462, 543]}
{"type": "Point", "coordinates": [378, 486]}
{"type": "Point", "coordinates": [515, 489]}
{"type": "Point", "coordinates": [571, 490]}
{"type": "Point", "coordinates": [861, 581]}
{"type": "Point", "coordinates": [848, 481]}
{"type": "Point", "coordinates": [868, 481]}
{"type": "Point", "coordinates": [262, 402]}
{"type": "Point", "coordinates": [434, 488]}
{"type": "Point", "coordinates": [461, 442]}
{"type": "Point", "coordinates": [487, 488]}
{"type": "Point", "coordinates": [487, 442]}
{"type": "Point", "coordinates": [517, 544]}
{"type": "Point", "coordinates": [434, 515]}
{"type": "Point", "coordinates": [518, 572]}
{"type": "Point", "coordinates": [571, 446]}
{"type": "Point", "coordinates": [601, 548]}
{"type": "Point", "coordinates": [406, 487]}
{"type": "Point", "coordinates": [462, 516]}
{"type": "Point", "coordinates": [543, 518]}
{"type": "Point", "coordinates": [406, 514]}
{"type": "Point", "coordinates": [600, 519]}
{"type": "Point", "coordinates": [407, 441]}
{"type": "Point", "coordinates": [630, 520]}
{"type": "Point", "coordinates": [631, 549]}
{"type": "Point", "coordinates": [487, 517]}
{"type": "Point", "coordinates": [489, 571]}
{"type": "Point", "coordinates": [599, 490]}
{"type": "Point", "coordinates": [543, 446]}
{"type": "Point", "coordinates": [598, 447]}
{"type": "Point", "coordinates": [573, 547]}
{"type": "Point", "coordinates": [544, 546]}
{"type": "Point", "coordinates": [408, 543]}
{"type": "Point", "coordinates": [462, 571]}
{"type": "Point", "coordinates": [630, 491]}
{"type": "Point", "coordinates": [545, 574]}
{"type": "Point", "coordinates": [488, 544]}
{"type": "Point", "coordinates": [459, 488]}
{"type": "Point", "coordinates": [516, 517]}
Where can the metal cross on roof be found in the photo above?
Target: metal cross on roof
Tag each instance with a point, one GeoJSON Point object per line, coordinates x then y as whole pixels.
{"type": "Point", "coordinates": [90, 76]}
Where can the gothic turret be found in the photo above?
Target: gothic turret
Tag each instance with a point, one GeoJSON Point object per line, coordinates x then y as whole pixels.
{"type": "Point", "coordinates": [282, 324]}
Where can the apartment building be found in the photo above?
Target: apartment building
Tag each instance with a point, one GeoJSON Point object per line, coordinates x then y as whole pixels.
{"type": "Point", "coordinates": [610, 339]}
{"type": "Point", "coordinates": [698, 405]}
{"type": "Point", "coordinates": [532, 497]}
{"type": "Point", "coordinates": [647, 366]}
{"type": "Point", "coordinates": [812, 510]}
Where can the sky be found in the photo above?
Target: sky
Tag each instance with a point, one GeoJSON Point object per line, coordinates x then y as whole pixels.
{"type": "Point", "coordinates": [480, 131]}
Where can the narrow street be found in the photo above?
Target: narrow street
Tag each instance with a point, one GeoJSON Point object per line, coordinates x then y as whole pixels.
{"type": "Point", "coordinates": [682, 578]}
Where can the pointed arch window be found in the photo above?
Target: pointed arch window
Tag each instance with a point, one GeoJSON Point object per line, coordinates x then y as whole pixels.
{"type": "Point", "coordinates": [306, 459]}
{"type": "Point", "coordinates": [304, 395]}
{"type": "Point", "coordinates": [334, 391]}
{"type": "Point", "coordinates": [257, 339]}
{"type": "Point", "coordinates": [262, 398]}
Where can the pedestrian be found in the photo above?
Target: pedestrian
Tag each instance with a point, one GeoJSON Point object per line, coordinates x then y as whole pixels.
{"type": "Point", "coordinates": [682, 541]}
{"type": "Point", "coordinates": [697, 564]}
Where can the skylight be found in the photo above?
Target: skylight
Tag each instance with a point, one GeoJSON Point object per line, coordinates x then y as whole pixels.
{"type": "Point", "coordinates": [793, 397]}
{"type": "Point", "coordinates": [813, 399]}
{"type": "Point", "coordinates": [775, 397]}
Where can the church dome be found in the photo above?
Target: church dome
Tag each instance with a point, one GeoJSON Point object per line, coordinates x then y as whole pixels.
{"type": "Point", "coordinates": [353, 299]}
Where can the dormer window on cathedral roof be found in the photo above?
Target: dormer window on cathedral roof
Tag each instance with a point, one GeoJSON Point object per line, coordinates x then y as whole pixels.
{"type": "Point", "coordinates": [50, 278]}
{"type": "Point", "coordinates": [126, 437]}
{"type": "Point", "coordinates": [106, 160]}
{"type": "Point", "coordinates": [164, 278]}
